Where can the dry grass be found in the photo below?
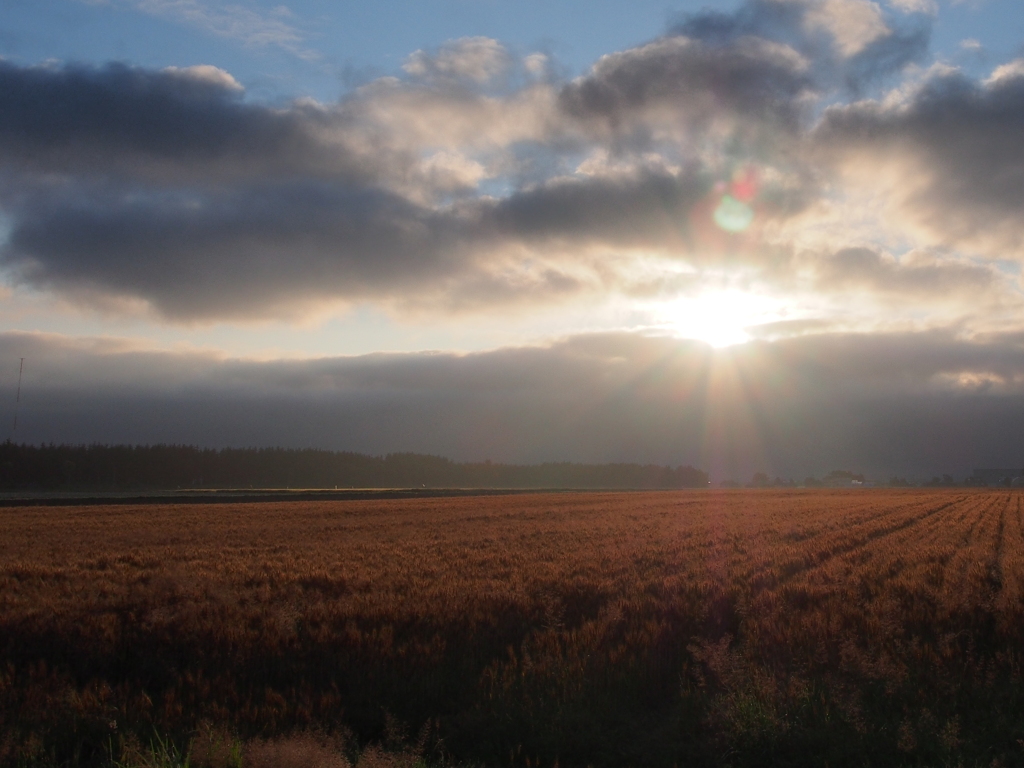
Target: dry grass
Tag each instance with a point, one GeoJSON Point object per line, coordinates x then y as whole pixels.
{"type": "Point", "coordinates": [745, 628]}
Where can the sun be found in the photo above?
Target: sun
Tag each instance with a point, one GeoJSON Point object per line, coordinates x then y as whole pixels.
{"type": "Point", "coordinates": [718, 318]}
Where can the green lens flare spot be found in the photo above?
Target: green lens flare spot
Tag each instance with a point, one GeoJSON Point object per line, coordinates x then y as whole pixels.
{"type": "Point", "coordinates": [733, 215]}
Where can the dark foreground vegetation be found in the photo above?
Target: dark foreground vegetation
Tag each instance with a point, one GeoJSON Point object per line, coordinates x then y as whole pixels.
{"type": "Point", "coordinates": [727, 628]}
{"type": "Point", "coordinates": [163, 467]}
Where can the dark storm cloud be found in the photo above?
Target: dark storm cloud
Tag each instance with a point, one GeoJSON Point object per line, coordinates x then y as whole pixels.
{"type": "Point", "coordinates": [956, 145]}
{"type": "Point", "coordinates": [219, 253]}
{"type": "Point", "coordinates": [198, 254]}
{"type": "Point", "coordinates": [882, 403]}
{"type": "Point", "coordinates": [182, 125]}
{"type": "Point", "coordinates": [241, 253]}
{"type": "Point", "coordinates": [643, 209]}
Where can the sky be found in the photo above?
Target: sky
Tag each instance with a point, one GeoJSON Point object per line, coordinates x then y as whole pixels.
{"type": "Point", "coordinates": [769, 235]}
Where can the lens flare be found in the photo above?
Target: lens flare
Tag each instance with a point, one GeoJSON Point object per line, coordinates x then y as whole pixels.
{"type": "Point", "coordinates": [735, 212]}
{"type": "Point", "coordinates": [733, 215]}
{"type": "Point", "coordinates": [744, 184]}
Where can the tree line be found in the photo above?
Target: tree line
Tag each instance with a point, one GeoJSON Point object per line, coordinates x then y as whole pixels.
{"type": "Point", "coordinates": [165, 467]}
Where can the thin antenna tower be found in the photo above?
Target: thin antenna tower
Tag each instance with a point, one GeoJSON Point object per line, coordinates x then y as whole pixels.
{"type": "Point", "coordinates": [17, 400]}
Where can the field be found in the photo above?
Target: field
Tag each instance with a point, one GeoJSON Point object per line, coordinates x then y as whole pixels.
{"type": "Point", "coordinates": [608, 629]}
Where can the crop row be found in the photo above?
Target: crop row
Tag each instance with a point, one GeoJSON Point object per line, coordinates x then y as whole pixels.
{"type": "Point", "coordinates": [697, 628]}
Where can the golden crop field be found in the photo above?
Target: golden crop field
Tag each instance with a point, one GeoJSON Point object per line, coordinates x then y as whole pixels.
{"type": "Point", "coordinates": [868, 627]}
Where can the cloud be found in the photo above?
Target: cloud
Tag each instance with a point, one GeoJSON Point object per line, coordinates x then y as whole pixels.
{"type": "Point", "coordinates": [196, 256]}
{"type": "Point", "coordinates": [476, 59]}
{"type": "Point", "coordinates": [692, 83]}
{"type": "Point", "coordinates": [854, 24]}
{"type": "Point", "coordinates": [852, 44]}
{"type": "Point", "coordinates": [193, 256]}
{"type": "Point", "coordinates": [216, 253]}
{"type": "Point", "coordinates": [475, 180]}
{"type": "Point", "coordinates": [947, 153]}
{"type": "Point", "coordinates": [233, 21]}
{"type": "Point", "coordinates": [916, 6]}
{"type": "Point", "coordinates": [172, 126]}
{"type": "Point", "coordinates": [208, 74]}
{"type": "Point", "coordinates": [1006, 73]}
{"type": "Point", "coordinates": [536, 63]}
{"type": "Point", "coordinates": [874, 403]}
{"type": "Point", "coordinates": [914, 275]}
{"type": "Point", "coordinates": [167, 187]}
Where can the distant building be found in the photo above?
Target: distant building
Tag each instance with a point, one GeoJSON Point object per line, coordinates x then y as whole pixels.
{"type": "Point", "coordinates": [841, 478]}
{"type": "Point", "coordinates": [990, 476]}
{"type": "Point", "coordinates": [845, 482]}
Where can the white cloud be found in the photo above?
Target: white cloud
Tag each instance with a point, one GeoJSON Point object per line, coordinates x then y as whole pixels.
{"type": "Point", "coordinates": [452, 171]}
{"type": "Point", "coordinates": [233, 21]}
{"type": "Point", "coordinates": [854, 24]}
{"type": "Point", "coordinates": [930, 7]}
{"type": "Point", "coordinates": [536, 63]}
{"type": "Point", "coordinates": [209, 74]}
{"type": "Point", "coordinates": [1010, 70]}
{"type": "Point", "coordinates": [478, 59]}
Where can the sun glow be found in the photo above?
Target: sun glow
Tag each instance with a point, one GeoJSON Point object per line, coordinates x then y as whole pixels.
{"type": "Point", "coordinates": [719, 318]}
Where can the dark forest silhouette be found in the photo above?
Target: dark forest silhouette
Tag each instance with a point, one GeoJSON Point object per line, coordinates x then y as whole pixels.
{"type": "Point", "coordinates": [164, 467]}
